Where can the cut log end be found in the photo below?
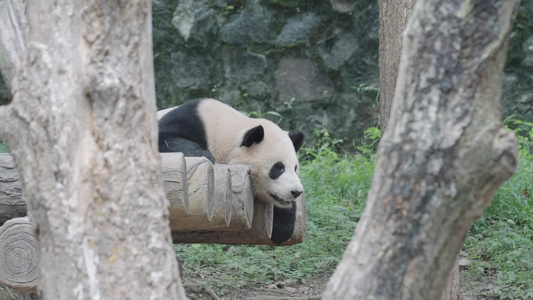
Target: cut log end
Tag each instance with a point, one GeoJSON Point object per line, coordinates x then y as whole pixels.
{"type": "Point", "coordinates": [243, 199]}
{"type": "Point", "coordinates": [19, 255]}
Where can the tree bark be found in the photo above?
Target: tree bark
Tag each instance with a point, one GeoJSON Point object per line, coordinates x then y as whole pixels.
{"type": "Point", "coordinates": [83, 133]}
{"type": "Point", "coordinates": [442, 157]}
{"type": "Point", "coordinates": [393, 17]}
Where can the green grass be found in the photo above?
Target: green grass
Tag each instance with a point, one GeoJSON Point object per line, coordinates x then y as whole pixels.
{"type": "Point", "coordinates": [336, 191]}
{"type": "Point", "coordinates": [499, 248]}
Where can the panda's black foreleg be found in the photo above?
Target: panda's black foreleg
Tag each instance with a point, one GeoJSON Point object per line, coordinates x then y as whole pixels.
{"type": "Point", "coordinates": [187, 147]}
{"type": "Point", "coordinates": [283, 224]}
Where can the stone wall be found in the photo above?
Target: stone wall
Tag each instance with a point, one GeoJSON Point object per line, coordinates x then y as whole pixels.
{"type": "Point", "coordinates": [310, 61]}
{"type": "Point", "coordinates": [315, 62]}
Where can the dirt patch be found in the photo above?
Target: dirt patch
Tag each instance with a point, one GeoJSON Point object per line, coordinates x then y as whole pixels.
{"type": "Point", "coordinates": [287, 289]}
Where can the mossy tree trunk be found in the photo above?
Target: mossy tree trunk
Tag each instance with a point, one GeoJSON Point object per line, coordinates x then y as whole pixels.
{"type": "Point", "coordinates": [441, 158]}
{"type": "Point", "coordinates": [82, 130]}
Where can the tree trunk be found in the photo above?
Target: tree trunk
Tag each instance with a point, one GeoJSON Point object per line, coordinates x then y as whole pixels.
{"type": "Point", "coordinates": [393, 17]}
{"type": "Point", "coordinates": [441, 159]}
{"type": "Point", "coordinates": [83, 133]}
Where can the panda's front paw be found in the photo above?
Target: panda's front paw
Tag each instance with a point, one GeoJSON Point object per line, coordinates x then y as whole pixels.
{"type": "Point", "coordinates": [283, 224]}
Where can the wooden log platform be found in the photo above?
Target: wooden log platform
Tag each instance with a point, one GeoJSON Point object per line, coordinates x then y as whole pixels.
{"type": "Point", "coordinates": [208, 204]}
{"type": "Point", "coordinates": [204, 198]}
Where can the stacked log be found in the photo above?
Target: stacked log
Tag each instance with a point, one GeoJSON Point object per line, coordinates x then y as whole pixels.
{"type": "Point", "coordinates": [208, 204]}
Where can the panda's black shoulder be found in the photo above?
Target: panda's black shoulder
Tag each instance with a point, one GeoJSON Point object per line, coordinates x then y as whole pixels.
{"type": "Point", "coordinates": [186, 113]}
{"type": "Point", "coordinates": [184, 122]}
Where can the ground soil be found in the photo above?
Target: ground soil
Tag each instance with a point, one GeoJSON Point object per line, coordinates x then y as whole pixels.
{"type": "Point", "coordinates": [276, 290]}
{"type": "Point", "coordinates": [311, 290]}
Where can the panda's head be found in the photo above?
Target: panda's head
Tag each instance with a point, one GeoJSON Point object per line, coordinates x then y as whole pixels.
{"type": "Point", "coordinates": [271, 154]}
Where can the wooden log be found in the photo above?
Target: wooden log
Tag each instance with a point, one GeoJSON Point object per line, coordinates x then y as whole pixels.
{"type": "Point", "coordinates": [242, 203]}
{"type": "Point", "coordinates": [258, 234]}
{"type": "Point", "coordinates": [19, 255]}
{"type": "Point", "coordinates": [223, 196]}
{"type": "Point", "coordinates": [298, 236]}
{"type": "Point", "coordinates": [201, 182]}
{"type": "Point", "coordinates": [209, 211]}
{"type": "Point", "coordinates": [11, 202]}
{"type": "Point", "coordinates": [174, 173]}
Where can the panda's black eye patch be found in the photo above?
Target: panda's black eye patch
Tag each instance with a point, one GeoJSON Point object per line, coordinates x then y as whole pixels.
{"type": "Point", "coordinates": [276, 170]}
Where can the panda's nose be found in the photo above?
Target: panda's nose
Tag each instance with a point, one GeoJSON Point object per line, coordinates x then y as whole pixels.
{"type": "Point", "coordinates": [295, 194]}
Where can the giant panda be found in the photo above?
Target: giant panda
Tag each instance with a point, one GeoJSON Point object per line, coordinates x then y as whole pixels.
{"type": "Point", "coordinates": [210, 128]}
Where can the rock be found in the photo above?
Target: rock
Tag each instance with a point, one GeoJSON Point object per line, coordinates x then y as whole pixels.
{"type": "Point", "coordinates": [241, 65]}
{"type": "Point", "coordinates": [290, 289]}
{"type": "Point", "coordinates": [231, 97]}
{"type": "Point", "coordinates": [299, 78]}
{"type": "Point", "coordinates": [336, 50]}
{"type": "Point", "coordinates": [528, 52]}
{"type": "Point", "coordinates": [463, 262]}
{"type": "Point", "coordinates": [297, 29]}
{"type": "Point", "coordinates": [342, 6]}
{"type": "Point", "coordinates": [290, 281]}
{"type": "Point", "coordinates": [189, 71]}
{"type": "Point", "coordinates": [251, 25]}
{"type": "Point", "coordinates": [194, 16]}
{"type": "Point", "coordinates": [258, 90]}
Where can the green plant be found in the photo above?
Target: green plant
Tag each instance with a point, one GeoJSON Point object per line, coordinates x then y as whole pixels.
{"type": "Point", "coordinates": [289, 103]}
{"type": "Point", "coordinates": [371, 90]}
{"type": "Point", "coordinates": [370, 141]}
{"type": "Point", "coordinates": [3, 148]}
{"type": "Point", "coordinates": [259, 114]}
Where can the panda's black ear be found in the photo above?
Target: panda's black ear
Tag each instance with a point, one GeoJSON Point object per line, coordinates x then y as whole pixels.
{"type": "Point", "coordinates": [297, 139]}
{"type": "Point", "coordinates": [254, 135]}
